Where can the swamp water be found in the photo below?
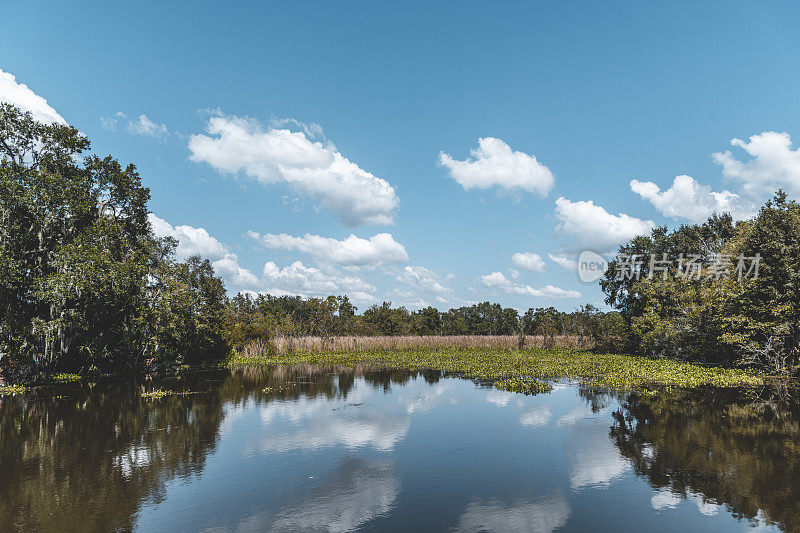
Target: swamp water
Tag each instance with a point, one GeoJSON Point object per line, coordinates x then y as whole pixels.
{"type": "Point", "coordinates": [332, 449]}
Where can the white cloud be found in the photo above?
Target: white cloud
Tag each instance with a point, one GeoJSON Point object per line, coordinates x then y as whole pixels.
{"type": "Point", "coordinates": [495, 163]}
{"type": "Point", "coordinates": [142, 126]}
{"type": "Point", "coordinates": [146, 127]}
{"type": "Point", "coordinates": [239, 278]}
{"type": "Point", "coordinates": [191, 241]}
{"type": "Point", "coordinates": [528, 261]}
{"type": "Point", "coordinates": [23, 97]}
{"type": "Point", "coordinates": [236, 144]}
{"type": "Point", "coordinates": [306, 280]}
{"type": "Point", "coordinates": [774, 164]}
{"type": "Point", "coordinates": [686, 198]}
{"type": "Point", "coordinates": [590, 227]}
{"type": "Point", "coordinates": [294, 279]}
{"type": "Point", "coordinates": [422, 278]}
{"type": "Point", "coordinates": [110, 123]}
{"type": "Point", "coordinates": [564, 262]}
{"type": "Point", "coordinates": [499, 281]}
{"type": "Point", "coordinates": [380, 249]}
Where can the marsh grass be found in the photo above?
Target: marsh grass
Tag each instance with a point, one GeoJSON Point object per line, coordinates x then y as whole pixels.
{"type": "Point", "coordinates": [602, 371]}
{"type": "Point", "coordinates": [352, 344]}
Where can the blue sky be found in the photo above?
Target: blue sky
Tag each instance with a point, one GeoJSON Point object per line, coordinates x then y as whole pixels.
{"type": "Point", "coordinates": [306, 123]}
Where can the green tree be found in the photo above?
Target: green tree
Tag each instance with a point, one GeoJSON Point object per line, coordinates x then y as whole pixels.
{"type": "Point", "coordinates": [75, 248]}
{"type": "Point", "coordinates": [84, 283]}
{"type": "Point", "coordinates": [761, 315]}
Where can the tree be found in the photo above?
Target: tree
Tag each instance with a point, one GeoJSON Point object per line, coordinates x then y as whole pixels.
{"type": "Point", "coordinates": [81, 273]}
{"type": "Point", "coordinates": [761, 316]}
{"type": "Point", "coordinates": [75, 244]}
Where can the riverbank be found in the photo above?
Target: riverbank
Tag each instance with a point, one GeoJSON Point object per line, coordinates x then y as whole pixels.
{"type": "Point", "coordinates": [605, 371]}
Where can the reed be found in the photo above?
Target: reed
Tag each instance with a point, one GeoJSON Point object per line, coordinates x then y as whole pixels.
{"type": "Point", "coordinates": [353, 344]}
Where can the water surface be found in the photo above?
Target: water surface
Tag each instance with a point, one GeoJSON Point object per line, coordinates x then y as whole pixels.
{"type": "Point", "coordinates": [335, 449]}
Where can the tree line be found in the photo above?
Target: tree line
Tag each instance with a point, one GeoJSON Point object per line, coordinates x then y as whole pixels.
{"type": "Point", "coordinates": [264, 316]}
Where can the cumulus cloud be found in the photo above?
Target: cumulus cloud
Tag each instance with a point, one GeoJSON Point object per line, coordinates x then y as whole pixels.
{"type": "Point", "coordinates": [20, 95]}
{"type": "Point", "coordinates": [774, 164]}
{"type": "Point", "coordinates": [590, 227]}
{"type": "Point", "coordinates": [380, 249]}
{"type": "Point", "coordinates": [191, 241]}
{"type": "Point", "coordinates": [309, 280]}
{"type": "Point", "coordinates": [688, 199]}
{"type": "Point", "coordinates": [294, 279]}
{"type": "Point", "coordinates": [564, 262]}
{"type": "Point", "coordinates": [528, 261]}
{"type": "Point", "coordinates": [422, 278]}
{"type": "Point", "coordinates": [241, 145]}
{"type": "Point", "coordinates": [497, 280]}
{"type": "Point", "coordinates": [494, 163]}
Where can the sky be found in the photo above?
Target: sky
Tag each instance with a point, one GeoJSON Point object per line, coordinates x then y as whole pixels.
{"type": "Point", "coordinates": [423, 153]}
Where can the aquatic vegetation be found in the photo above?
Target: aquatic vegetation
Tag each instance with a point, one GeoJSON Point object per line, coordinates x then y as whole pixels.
{"type": "Point", "coordinates": [156, 393]}
{"type": "Point", "coordinates": [524, 386]}
{"type": "Point", "coordinates": [59, 378]}
{"type": "Point", "coordinates": [11, 389]}
{"type": "Point", "coordinates": [161, 393]}
{"type": "Point", "coordinates": [286, 385]}
{"type": "Point", "coordinates": [604, 371]}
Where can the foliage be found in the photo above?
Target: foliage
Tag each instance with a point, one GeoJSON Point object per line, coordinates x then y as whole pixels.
{"type": "Point", "coordinates": [717, 318]}
{"type": "Point", "coordinates": [265, 317]}
{"type": "Point", "coordinates": [761, 317]}
{"type": "Point", "coordinates": [84, 284]}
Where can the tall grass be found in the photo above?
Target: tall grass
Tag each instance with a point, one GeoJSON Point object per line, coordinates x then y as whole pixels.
{"type": "Point", "coordinates": [290, 345]}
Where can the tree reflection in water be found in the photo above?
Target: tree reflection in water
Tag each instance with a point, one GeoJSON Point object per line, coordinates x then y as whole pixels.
{"type": "Point", "coordinates": [89, 457]}
{"type": "Point", "coordinates": [719, 447]}
{"type": "Point", "coordinates": [85, 458]}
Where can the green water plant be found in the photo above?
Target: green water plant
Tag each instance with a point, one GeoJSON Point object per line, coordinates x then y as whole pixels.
{"type": "Point", "coordinates": [11, 389]}
{"type": "Point", "coordinates": [524, 385]}
{"type": "Point", "coordinates": [156, 393]}
{"type": "Point", "coordinates": [597, 370]}
{"type": "Point", "coordinates": [62, 377]}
